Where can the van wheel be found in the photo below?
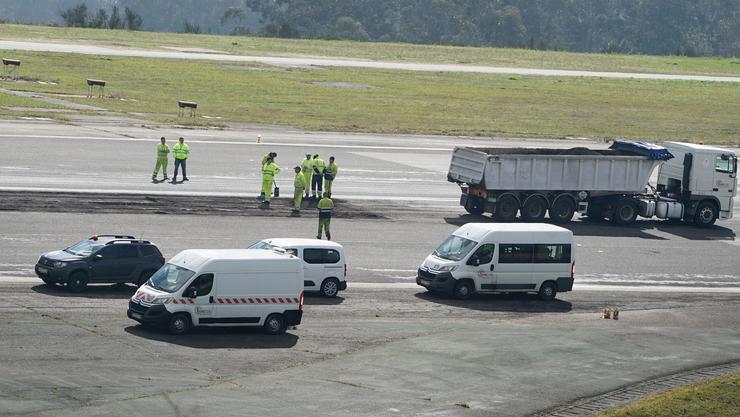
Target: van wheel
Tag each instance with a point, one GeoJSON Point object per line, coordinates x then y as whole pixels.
{"type": "Point", "coordinates": [274, 324]}
{"type": "Point", "coordinates": [77, 281]}
{"type": "Point", "coordinates": [463, 290]}
{"type": "Point", "coordinates": [548, 291]}
{"type": "Point", "coordinates": [144, 277]}
{"type": "Point", "coordinates": [330, 287]}
{"type": "Point", "coordinates": [179, 324]}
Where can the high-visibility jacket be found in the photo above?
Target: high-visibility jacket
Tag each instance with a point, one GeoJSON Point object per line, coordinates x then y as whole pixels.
{"type": "Point", "coordinates": [325, 206]}
{"type": "Point", "coordinates": [300, 181]}
{"type": "Point", "coordinates": [331, 170]}
{"type": "Point", "coordinates": [269, 170]}
{"type": "Point", "coordinates": [318, 166]}
{"type": "Point", "coordinates": [181, 151]}
{"type": "Point", "coordinates": [163, 150]}
{"type": "Point", "coordinates": [307, 166]}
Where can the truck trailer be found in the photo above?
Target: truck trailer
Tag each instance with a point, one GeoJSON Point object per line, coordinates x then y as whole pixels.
{"type": "Point", "coordinates": [695, 183]}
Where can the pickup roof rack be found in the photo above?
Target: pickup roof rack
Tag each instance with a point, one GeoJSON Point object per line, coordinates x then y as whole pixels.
{"type": "Point", "coordinates": [127, 240]}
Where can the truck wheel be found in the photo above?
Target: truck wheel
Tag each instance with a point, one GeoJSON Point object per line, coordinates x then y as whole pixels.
{"type": "Point", "coordinates": [625, 212]}
{"type": "Point", "coordinates": [77, 281]}
{"type": "Point", "coordinates": [274, 324]}
{"type": "Point", "coordinates": [506, 208]}
{"type": "Point", "coordinates": [706, 214]}
{"type": "Point", "coordinates": [463, 290]}
{"type": "Point", "coordinates": [330, 287]}
{"type": "Point", "coordinates": [534, 209]}
{"type": "Point", "coordinates": [548, 291]}
{"type": "Point", "coordinates": [475, 205]}
{"type": "Point", "coordinates": [562, 210]}
{"type": "Point", "coordinates": [179, 324]}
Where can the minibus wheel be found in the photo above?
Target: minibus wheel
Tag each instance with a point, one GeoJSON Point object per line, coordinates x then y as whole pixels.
{"type": "Point", "coordinates": [548, 290]}
{"type": "Point", "coordinates": [274, 324]}
{"type": "Point", "coordinates": [463, 290]}
{"type": "Point", "coordinates": [179, 324]}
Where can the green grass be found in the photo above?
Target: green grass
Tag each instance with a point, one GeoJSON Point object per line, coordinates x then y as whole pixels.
{"type": "Point", "coordinates": [243, 45]}
{"type": "Point", "coordinates": [399, 101]}
{"type": "Point", "coordinates": [718, 397]}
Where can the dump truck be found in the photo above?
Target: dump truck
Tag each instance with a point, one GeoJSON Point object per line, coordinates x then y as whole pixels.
{"type": "Point", "coordinates": [695, 183]}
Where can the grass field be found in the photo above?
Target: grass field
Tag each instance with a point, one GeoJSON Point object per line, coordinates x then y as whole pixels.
{"type": "Point", "coordinates": [394, 101]}
{"type": "Point", "coordinates": [718, 397]}
{"type": "Point", "coordinates": [243, 45]}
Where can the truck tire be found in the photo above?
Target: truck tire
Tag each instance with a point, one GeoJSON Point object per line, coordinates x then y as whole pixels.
{"type": "Point", "coordinates": [77, 281]}
{"type": "Point", "coordinates": [506, 208]}
{"type": "Point", "coordinates": [706, 214]}
{"type": "Point", "coordinates": [562, 210]}
{"type": "Point", "coordinates": [625, 212]}
{"type": "Point", "coordinates": [475, 205]}
{"type": "Point", "coordinates": [534, 209]}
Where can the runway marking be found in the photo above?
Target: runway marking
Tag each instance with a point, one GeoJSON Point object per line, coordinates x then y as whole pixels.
{"type": "Point", "coordinates": [227, 142]}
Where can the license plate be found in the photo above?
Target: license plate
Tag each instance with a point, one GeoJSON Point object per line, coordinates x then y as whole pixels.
{"type": "Point", "coordinates": [137, 316]}
{"type": "Point", "coordinates": [43, 270]}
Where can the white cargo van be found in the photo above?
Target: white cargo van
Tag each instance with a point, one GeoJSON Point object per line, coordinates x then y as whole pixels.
{"type": "Point", "coordinates": [324, 263]}
{"type": "Point", "coordinates": [234, 287]}
{"type": "Point", "coordinates": [495, 257]}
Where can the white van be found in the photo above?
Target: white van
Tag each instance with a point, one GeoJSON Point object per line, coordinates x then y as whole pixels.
{"type": "Point", "coordinates": [234, 287]}
{"type": "Point", "coordinates": [324, 263]}
{"type": "Point", "coordinates": [495, 257]}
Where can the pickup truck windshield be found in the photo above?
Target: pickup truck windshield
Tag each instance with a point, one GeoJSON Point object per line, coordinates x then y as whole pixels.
{"type": "Point", "coordinates": [454, 248]}
{"type": "Point", "coordinates": [170, 278]}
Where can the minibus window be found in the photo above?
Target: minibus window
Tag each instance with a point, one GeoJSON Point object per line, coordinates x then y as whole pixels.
{"type": "Point", "coordinates": [552, 254]}
{"type": "Point", "coordinates": [515, 254]}
{"type": "Point", "coordinates": [454, 248]}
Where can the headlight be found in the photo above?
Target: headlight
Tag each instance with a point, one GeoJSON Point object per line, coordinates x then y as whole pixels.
{"type": "Point", "coordinates": [60, 264]}
{"type": "Point", "coordinates": [448, 268]}
{"type": "Point", "coordinates": [161, 300]}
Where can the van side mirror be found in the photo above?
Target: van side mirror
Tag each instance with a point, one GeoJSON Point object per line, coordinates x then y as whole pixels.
{"type": "Point", "coordinates": [191, 292]}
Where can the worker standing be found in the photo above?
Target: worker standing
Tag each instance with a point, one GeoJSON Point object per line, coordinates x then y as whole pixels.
{"type": "Point", "coordinates": [269, 171]}
{"type": "Point", "coordinates": [163, 153]}
{"type": "Point", "coordinates": [299, 188]}
{"type": "Point", "coordinates": [325, 207]}
{"type": "Point", "coordinates": [329, 174]}
{"type": "Point", "coordinates": [270, 155]}
{"type": "Point", "coordinates": [307, 168]}
{"type": "Point", "coordinates": [180, 152]}
{"type": "Point", "coordinates": [317, 180]}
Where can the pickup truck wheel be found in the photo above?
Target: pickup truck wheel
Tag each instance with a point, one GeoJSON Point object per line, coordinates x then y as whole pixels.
{"type": "Point", "coordinates": [330, 287]}
{"type": "Point", "coordinates": [179, 324]}
{"type": "Point", "coordinates": [506, 208]}
{"type": "Point", "coordinates": [562, 210]}
{"type": "Point", "coordinates": [625, 212]}
{"type": "Point", "coordinates": [77, 281]}
{"type": "Point", "coordinates": [534, 209]}
{"type": "Point", "coordinates": [274, 324]}
{"type": "Point", "coordinates": [463, 290]}
{"type": "Point", "coordinates": [548, 291]}
{"type": "Point", "coordinates": [706, 214]}
{"type": "Point", "coordinates": [475, 205]}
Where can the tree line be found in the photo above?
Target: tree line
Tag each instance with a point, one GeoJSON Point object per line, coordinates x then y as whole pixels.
{"type": "Point", "coordinates": [683, 27]}
{"type": "Point", "coordinates": [81, 16]}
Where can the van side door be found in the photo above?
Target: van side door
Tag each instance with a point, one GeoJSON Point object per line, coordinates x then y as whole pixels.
{"type": "Point", "coordinates": [199, 294]}
{"type": "Point", "coordinates": [481, 268]}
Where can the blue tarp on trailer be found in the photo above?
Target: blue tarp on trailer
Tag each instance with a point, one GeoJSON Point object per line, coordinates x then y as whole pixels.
{"type": "Point", "coordinates": [651, 150]}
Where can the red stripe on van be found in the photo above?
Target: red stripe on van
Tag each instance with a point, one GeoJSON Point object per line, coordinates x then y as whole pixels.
{"type": "Point", "coordinates": [273, 300]}
{"type": "Point", "coordinates": [258, 301]}
{"type": "Point", "coordinates": [244, 301]}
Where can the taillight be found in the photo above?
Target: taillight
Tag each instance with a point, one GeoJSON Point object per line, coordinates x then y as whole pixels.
{"type": "Point", "coordinates": [300, 302]}
{"type": "Point", "coordinates": [573, 269]}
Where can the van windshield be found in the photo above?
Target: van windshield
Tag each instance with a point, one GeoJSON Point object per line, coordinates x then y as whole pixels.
{"type": "Point", "coordinates": [261, 245]}
{"type": "Point", "coordinates": [170, 278]}
{"type": "Point", "coordinates": [454, 248]}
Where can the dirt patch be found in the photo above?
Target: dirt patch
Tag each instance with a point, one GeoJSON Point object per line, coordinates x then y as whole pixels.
{"type": "Point", "coordinates": [339, 84]}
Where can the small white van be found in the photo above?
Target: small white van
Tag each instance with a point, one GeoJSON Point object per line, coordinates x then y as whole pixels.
{"type": "Point", "coordinates": [324, 262]}
{"type": "Point", "coordinates": [233, 287]}
{"type": "Point", "coordinates": [496, 257]}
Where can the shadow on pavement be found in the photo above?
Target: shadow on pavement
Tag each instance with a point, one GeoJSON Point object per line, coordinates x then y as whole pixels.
{"type": "Point", "coordinates": [640, 229]}
{"type": "Point", "coordinates": [520, 303]}
{"type": "Point", "coordinates": [315, 299]}
{"type": "Point", "coordinates": [217, 337]}
{"type": "Point", "coordinates": [92, 291]}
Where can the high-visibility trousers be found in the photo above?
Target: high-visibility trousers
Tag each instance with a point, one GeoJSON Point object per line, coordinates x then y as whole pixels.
{"type": "Point", "coordinates": [327, 186]}
{"type": "Point", "coordinates": [297, 199]}
{"type": "Point", "coordinates": [308, 176]}
{"type": "Point", "coordinates": [267, 187]}
{"type": "Point", "coordinates": [324, 225]}
{"type": "Point", "coordinates": [161, 162]}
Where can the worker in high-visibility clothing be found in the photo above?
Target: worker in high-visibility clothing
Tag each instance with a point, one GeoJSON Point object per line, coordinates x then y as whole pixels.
{"type": "Point", "coordinates": [299, 185]}
{"type": "Point", "coordinates": [181, 153]}
{"type": "Point", "coordinates": [325, 207]}
{"type": "Point", "coordinates": [269, 171]}
{"type": "Point", "coordinates": [307, 169]}
{"type": "Point", "coordinates": [267, 156]}
{"type": "Point", "coordinates": [317, 180]}
{"type": "Point", "coordinates": [329, 174]}
{"type": "Point", "coordinates": [163, 153]}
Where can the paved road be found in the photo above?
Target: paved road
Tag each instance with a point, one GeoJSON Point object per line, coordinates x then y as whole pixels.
{"type": "Point", "coordinates": [334, 62]}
